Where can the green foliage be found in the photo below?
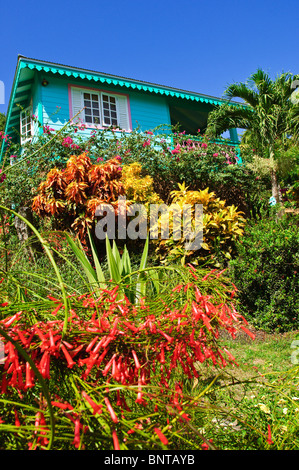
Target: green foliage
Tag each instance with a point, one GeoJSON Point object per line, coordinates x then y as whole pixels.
{"type": "Point", "coordinates": [266, 113]}
{"type": "Point", "coordinates": [133, 284]}
{"type": "Point", "coordinates": [221, 226]}
{"type": "Point", "coordinates": [168, 158]}
{"type": "Point", "coordinates": [265, 271]}
{"type": "Point", "coordinates": [2, 122]}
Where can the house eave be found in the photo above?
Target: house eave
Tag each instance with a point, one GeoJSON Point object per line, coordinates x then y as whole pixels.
{"type": "Point", "coordinates": [18, 93]}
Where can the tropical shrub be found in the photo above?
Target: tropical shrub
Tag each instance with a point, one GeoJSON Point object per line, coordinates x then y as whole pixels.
{"type": "Point", "coordinates": [165, 155]}
{"type": "Point", "coordinates": [95, 367]}
{"type": "Point", "coordinates": [139, 189]}
{"type": "Point", "coordinates": [265, 271]}
{"type": "Point", "coordinates": [222, 226]}
{"type": "Point", "coordinates": [72, 195]}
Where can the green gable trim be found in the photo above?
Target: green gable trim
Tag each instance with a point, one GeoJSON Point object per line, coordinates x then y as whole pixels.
{"type": "Point", "coordinates": [118, 82]}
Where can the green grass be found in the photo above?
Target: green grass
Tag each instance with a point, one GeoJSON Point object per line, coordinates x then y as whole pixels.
{"type": "Point", "coordinates": [262, 391]}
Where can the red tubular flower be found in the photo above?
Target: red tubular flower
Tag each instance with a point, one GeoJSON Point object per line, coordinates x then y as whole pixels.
{"type": "Point", "coordinates": [177, 288]}
{"type": "Point", "coordinates": [76, 440]}
{"type": "Point", "coordinates": [230, 356]}
{"type": "Point", "coordinates": [63, 406]}
{"type": "Point", "coordinates": [44, 365]}
{"type": "Point", "coordinates": [111, 410]}
{"type": "Point", "coordinates": [56, 310]}
{"type": "Point", "coordinates": [29, 377]}
{"type": "Point", "coordinates": [17, 421]}
{"type": "Point", "coordinates": [208, 275]}
{"type": "Point", "coordinates": [269, 439]}
{"type": "Point", "coordinates": [96, 408]}
{"type": "Point", "coordinates": [22, 337]}
{"type": "Point", "coordinates": [161, 436]}
{"type": "Point", "coordinates": [70, 361]}
{"type": "Point", "coordinates": [4, 384]}
{"type": "Point", "coordinates": [137, 363]}
{"type": "Point", "coordinates": [248, 332]}
{"type": "Point", "coordinates": [130, 326]}
{"type": "Point", "coordinates": [12, 319]}
{"type": "Point", "coordinates": [166, 336]}
{"type": "Point", "coordinates": [206, 322]}
{"type": "Point", "coordinates": [108, 365]}
{"type": "Point", "coordinates": [52, 341]}
{"type": "Point", "coordinates": [91, 344]}
{"type": "Point", "coordinates": [115, 440]}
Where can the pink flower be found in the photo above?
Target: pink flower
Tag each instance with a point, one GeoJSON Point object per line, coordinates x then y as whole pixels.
{"type": "Point", "coordinates": [100, 159]}
{"type": "Point", "coordinates": [204, 145]}
{"type": "Point", "coordinates": [67, 141]}
{"type": "Point", "coordinates": [146, 143]}
{"type": "Point", "coordinates": [47, 130]}
{"type": "Point", "coordinates": [150, 132]}
{"type": "Point", "coordinates": [215, 154]}
{"type": "Point", "coordinates": [177, 149]}
{"type": "Point", "coordinates": [3, 177]}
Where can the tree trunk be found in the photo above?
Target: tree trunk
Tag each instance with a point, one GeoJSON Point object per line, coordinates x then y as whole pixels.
{"type": "Point", "coordinates": [274, 182]}
{"type": "Point", "coordinates": [275, 186]}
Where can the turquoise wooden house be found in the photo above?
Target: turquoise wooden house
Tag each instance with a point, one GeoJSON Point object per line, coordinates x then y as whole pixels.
{"type": "Point", "coordinates": [56, 94]}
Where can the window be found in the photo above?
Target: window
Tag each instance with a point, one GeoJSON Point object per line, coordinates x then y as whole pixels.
{"type": "Point", "coordinates": [97, 108]}
{"type": "Point", "coordinates": [92, 108]}
{"type": "Point", "coordinates": [26, 125]}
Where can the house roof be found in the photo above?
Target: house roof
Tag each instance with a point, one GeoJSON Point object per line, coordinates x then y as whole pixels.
{"type": "Point", "coordinates": [25, 71]}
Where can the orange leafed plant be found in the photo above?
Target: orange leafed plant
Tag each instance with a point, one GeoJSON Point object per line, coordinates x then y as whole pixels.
{"type": "Point", "coordinates": [72, 195]}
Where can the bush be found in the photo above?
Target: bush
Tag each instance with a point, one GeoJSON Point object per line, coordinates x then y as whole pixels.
{"type": "Point", "coordinates": [221, 226]}
{"type": "Point", "coordinates": [73, 195]}
{"type": "Point", "coordinates": [266, 273]}
{"type": "Point", "coordinates": [105, 366]}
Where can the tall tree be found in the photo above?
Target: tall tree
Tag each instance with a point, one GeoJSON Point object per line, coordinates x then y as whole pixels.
{"type": "Point", "coordinates": [267, 114]}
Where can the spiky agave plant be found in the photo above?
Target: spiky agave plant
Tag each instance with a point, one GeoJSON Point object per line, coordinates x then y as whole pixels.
{"type": "Point", "coordinates": [132, 283]}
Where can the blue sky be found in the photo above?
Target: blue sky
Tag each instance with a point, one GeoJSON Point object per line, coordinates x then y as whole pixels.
{"type": "Point", "coordinates": [200, 46]}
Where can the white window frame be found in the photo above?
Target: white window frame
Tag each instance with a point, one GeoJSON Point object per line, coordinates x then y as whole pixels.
{"type": "Point", "coordinates": [77, 104]}
{"type": "Point", "coordinates": [25, 114]}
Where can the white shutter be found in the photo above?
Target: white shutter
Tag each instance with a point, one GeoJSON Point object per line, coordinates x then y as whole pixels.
{"type": "Point", "coordinates": [77, 105]}
{"type": "Point", "coordinates": [123, 114]}
{"type": "Point", "coordinates": [26, 128]}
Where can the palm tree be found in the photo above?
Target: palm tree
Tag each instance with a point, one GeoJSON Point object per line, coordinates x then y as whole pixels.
{"type": "Point", "coordinates": [267, 114]}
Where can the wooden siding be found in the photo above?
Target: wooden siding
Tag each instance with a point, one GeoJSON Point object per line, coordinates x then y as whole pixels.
{"type": "Point", "coordinates": [147, 111]}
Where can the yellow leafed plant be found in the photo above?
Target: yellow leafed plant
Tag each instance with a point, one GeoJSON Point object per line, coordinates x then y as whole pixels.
{"type": "Point", "coordinates": [139, 189]}
{"type": "Point", "coordinates": [221, 225]}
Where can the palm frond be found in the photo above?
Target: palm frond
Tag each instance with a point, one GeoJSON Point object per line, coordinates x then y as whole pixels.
{"type": "Point", "coordinates": [227, 117]}
{"type": "Point", "coordinates": [241, 90]}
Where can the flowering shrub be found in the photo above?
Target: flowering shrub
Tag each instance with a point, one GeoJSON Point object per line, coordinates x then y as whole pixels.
{"type": "Point", "coordinates": [118, 361]}
{"type": "Point", "coordinates": [169, 158]}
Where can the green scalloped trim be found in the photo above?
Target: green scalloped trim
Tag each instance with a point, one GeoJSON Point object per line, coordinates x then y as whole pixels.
{"type": "Point", "coordinates": [121, 83]}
